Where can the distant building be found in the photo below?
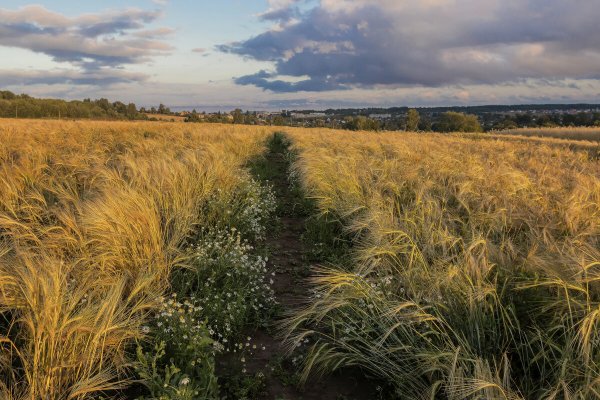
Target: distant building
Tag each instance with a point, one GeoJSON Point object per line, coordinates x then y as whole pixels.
{"type": "Point", "coordinates": [308, 116]}
{"type": "Point", "coordinates": [380, 116]}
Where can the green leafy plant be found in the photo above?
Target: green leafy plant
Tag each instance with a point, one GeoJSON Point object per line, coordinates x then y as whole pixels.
{"type": "Point", "coordinates": [178, 331]}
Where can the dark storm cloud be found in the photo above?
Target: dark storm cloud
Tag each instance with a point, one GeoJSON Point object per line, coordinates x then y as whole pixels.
{"type": "Point", "coordinates": [359, 43]}
{"type": "Point", "coordinates": [89, 41]}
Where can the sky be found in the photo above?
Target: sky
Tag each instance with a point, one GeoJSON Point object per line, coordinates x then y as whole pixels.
{"type": "Point", "coordinates": [303, 54]}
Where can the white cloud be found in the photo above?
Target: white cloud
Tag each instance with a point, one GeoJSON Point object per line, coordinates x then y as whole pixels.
{"type": "Point", "coordinates": [88, 41]}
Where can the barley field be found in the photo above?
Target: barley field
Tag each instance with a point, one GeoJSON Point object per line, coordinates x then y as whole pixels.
{"type": "Point", "coordinates": [475, 264]}
{"type": "Point", "coordinates": [136, 262]}
{"type": "Point", "coordinates": [588, 134]}
{"type": "Point", "coordinates": [94, 219]}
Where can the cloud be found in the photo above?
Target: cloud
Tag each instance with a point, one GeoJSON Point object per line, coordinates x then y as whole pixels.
{"type": "Point", "coordinates": [93, 43]}
{"type": "Point", "coordinates": [158, 33]}
{"type": "Point", "coordinates": [226, 96]}
{"type": "Point", "coordinates": [71, 77]}
{"type": "Point", "coordinates": [264, 80]}
{"type": "Point", "coordinates": [280, 10]}
{"type": "Point", "coordinates": [199, 50]}
{"type": "Point", "coordinates": [341, 44]}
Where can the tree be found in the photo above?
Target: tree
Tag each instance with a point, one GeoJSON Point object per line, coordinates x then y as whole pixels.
{"type": "Point", "coordinates": [278, 120]}
{"type": "Point", "coordinates": [524, 120]}
{"type": "Point", "coordinates": [193, 117]}
{"type": "Point", "coordinates": [425, 124]}
{"type": "Point", "coordinates": [104, 104]}
{"type": "Point", "coordinates": [505, 124]}
{"type": "Point", "coordinates": [7, 95]}
{"type": "Point", "coordinates": [162, 109]}
{"type": "Point", "coordinates": [458, 122]}
{"type": "Point", "coordinates": [24, 106]}
{"type": "Point", "coordinates": [412, 120]}
{"type": "Point", "coordinates": [250, 118]}
{"type": "Point", "coordinates": [545, 121]}
{"type": "Point", "coordinates": [238, 116]}
{"type": "Point", "coordinates": [131, 111]}
{"type": "Point", "coordinates": [361, 123]}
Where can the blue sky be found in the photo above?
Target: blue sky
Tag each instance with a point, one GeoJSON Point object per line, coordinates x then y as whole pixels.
{"type": "Point", "coordinates": [273, 54]}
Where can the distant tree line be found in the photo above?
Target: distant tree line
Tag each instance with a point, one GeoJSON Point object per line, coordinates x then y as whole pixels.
{"type": "Point", "coordinates": [237, 116]}
{"type": "Point", "coordinates": [530, 120]}
{"type": "Point", "coordinates": [439, 118]}
{"type": "Point", "coordinates": [477, 110]}
{"type": "Point", "coordinates": [25, 106]}
{"type": "Point", "coordinates": [413, 121]}
{"type": "Point", "coordinates": [162, 109]}
{"type": "Point", "coordinates": [449, 119]}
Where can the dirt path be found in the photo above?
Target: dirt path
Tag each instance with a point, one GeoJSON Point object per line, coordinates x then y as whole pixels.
{"type": "Point", "coordinates": [288, 260]}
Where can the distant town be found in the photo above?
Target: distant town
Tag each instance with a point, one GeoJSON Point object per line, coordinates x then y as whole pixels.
{"type": "Point", "coordinates": [397, 118]}
{"type": "Point", "coordinates": [441, 119]}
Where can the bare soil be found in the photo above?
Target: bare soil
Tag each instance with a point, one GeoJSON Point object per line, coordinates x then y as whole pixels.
{"type": "Point", "coordinates": [288, 260]}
